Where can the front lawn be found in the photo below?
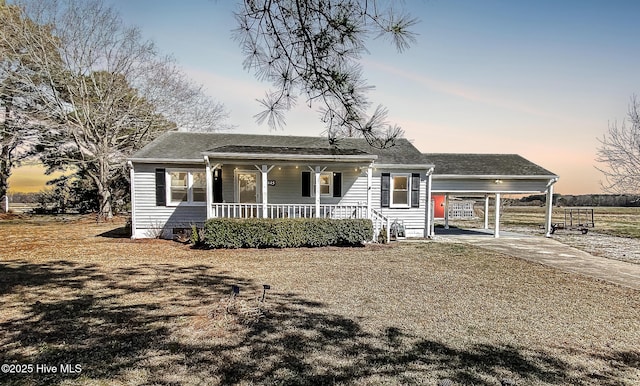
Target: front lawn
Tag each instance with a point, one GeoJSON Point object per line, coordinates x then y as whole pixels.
{"type": "Point", "coordinates": [157, 312]}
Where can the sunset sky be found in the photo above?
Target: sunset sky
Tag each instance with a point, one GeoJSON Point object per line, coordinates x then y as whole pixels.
{"type": "Point", "coordinates": [539, 78]}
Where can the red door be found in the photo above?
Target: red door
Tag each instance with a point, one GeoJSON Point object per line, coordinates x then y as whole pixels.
{"type": "Point", "coordinates": [438, 206]}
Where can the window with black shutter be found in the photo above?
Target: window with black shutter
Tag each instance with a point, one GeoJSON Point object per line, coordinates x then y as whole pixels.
{"type": "Point", "coordinates": [385, 185]}
{"type": "Point", "coordinates": [415, 190]}
{"type": "Point", "coordinates": [161, 192]}
{"type": "Point", "coordinates": [306, 184]}
{"type": "Point", "coordinates": [217, 185]}
{"type": "Point", "coordinates": [337, 184]}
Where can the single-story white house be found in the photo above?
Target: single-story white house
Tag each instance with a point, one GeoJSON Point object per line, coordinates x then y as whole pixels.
{"type": "Point", "coordinates": [184, 178]}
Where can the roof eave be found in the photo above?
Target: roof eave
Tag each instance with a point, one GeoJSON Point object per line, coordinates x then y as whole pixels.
{"type": "Point", "coordinates": [166, 160]}
{"type": "Point", "coordinates": [404, 166]}
{"type": "Point", "coordinates": [496, 176]}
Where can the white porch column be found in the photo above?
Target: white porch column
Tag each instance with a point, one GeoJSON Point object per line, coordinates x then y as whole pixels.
{"type": "Point", "coordinates": [209, 182]}
{"type": "Point", "coordinates": [547, 225]}
{"type": "Point", "coordinates": [429, 206]}
{"type": "Point", "coordinates": [265, 169]}
{"type": "Point", "coordinates": [317, 190]}
{"type": "Point", "coordinates": [496, 230]}
{"type": "Point", "coordinates": [446, 211]}
{"type": "Point", "coordinates": [486, 211]}
{"type": "Point", "coordinates": [369, 186]}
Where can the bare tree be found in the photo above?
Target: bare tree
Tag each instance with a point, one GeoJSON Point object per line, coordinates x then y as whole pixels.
{"type": "Point", "coordinates": [619, 151]}
{"type": "Point", "coordinates": [312, 48]}
{"type": "Point", "coordinates": [103, 91]}
{"type": "Point", "coordinates": [184, 102]}
{"type": "Point", "coordinates": [16, 130]}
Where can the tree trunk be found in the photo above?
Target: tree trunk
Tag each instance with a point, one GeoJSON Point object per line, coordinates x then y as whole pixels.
{"type": "Point", "coordinates": [5, 172]}
{"type": "Point", "coordinates": [105, 211]}
{"type": "Point", "coordinates": [5, 152]}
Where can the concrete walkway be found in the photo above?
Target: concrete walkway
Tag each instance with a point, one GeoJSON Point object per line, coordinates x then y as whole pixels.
{"type": "Point", "coordinates": [549, 252]}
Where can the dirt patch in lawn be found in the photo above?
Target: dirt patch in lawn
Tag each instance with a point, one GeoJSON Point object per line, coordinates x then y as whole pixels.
{"type": "Point", "coordinates": [158, 312]}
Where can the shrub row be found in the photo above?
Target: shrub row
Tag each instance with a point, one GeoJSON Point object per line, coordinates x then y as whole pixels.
{"type": "Point", "coordinates": [284, 233]}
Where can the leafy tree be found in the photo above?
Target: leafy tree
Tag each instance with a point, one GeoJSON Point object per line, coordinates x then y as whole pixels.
{"type": "Point", "coordinates": [619, 151]}
{"type": "Point", "coordinates": [102, 91]}
{"type": "Point", "coordinates": [312, 48]}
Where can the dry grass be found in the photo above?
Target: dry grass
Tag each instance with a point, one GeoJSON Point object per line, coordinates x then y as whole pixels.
{"type": "Point", "coordinates": [156, 312]}
{"type": "Point", "coordinates": [620, 222]}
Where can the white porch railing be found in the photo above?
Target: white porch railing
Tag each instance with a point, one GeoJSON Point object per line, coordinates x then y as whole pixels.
{"type": "Point", "coordinates": [240, 210]}
{"type": "Point", "coordinates": [380, 221]}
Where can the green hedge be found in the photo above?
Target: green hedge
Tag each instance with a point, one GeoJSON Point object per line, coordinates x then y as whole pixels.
{"type": "Point", "coordinates": [284, 233]}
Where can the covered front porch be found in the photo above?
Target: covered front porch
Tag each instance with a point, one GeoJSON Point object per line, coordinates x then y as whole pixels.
{"type": "Point", "coordinates": [243, 182]}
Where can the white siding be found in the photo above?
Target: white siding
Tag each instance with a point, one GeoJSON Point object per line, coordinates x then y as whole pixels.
{"type": "Point", "coordinates": [413, 218]}
{"type": "Point", "coordinates": [153, 221]}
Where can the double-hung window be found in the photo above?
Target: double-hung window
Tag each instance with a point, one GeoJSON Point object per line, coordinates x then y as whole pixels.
{"type": "Point", "coordinates": [326, 184]}
{"type": "Point", "coordinates": [330, 184]}
{"type": "Point", "coordinates": [400, 190]}
{"type": "Point", "coordinates": [186, 187]}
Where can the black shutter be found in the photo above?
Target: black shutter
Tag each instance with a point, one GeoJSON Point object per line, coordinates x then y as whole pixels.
{"type": "Point", "coordinates": [415, 190]}
{"type": "Point", "coordinates": [337, 184]}
{"type": "Point", "coordinates": [161, 191]}
{"type": "Point", "coordinates": [385, 185]}
{"type": "Point", "coordinates": [306, 184]}
{"type": "Point", "coordinates": [217, 185]}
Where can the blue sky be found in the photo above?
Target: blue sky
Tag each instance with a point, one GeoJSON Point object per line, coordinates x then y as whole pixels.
{"type": "Point", "coordinates": [537, 78]}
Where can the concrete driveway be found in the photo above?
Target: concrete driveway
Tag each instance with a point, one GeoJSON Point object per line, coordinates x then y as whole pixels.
{"type": "Point", "coordinates": [549, 252]}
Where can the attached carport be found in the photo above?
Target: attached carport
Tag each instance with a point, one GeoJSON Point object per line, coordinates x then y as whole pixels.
{"type": "Point", "coordinates": [490, 175]}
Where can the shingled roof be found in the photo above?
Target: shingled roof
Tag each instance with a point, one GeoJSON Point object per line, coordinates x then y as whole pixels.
{"type": "Point", "coordinates": [285, 150]}
{"type": "Point", "coordinates": [176, 146]}
{"type": "Point", "coordinates": [485, 165]}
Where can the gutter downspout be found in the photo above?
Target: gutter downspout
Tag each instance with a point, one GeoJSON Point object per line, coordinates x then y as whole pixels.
{"type": "Point", "coordinates": [369, 186]}
{"type": "Point", "coordinates": [547, 225]}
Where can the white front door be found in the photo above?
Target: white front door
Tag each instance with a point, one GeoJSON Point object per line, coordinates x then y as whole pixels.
{"type": "Point", "coordinates": [247, 187]}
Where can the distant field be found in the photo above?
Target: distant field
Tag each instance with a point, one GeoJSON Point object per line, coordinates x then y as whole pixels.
{"type": "Point", "coordinates": [615, 221]}
{"type": "Point", "coordinates": [18, 207]}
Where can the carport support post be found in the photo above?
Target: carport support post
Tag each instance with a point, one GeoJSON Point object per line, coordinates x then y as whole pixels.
{"type": "Point", "coordinates": [496, 231]}
{"type": "Point", "coordinates": [446, 211]}
{"type": "Point", "coordinates": [486, 211]}
{"type": "Point", "coordinates": [429, 217]}
{"type": "Point", "coordinates": [547, 224]}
